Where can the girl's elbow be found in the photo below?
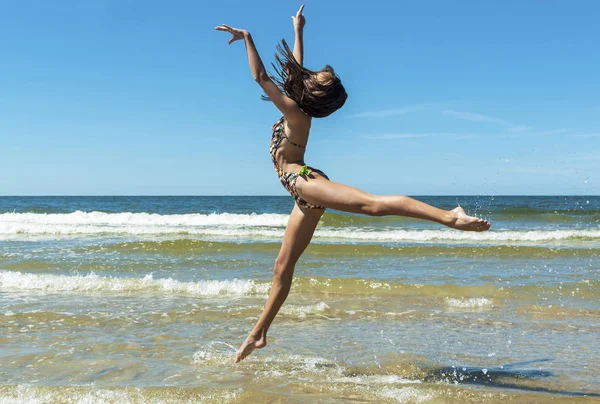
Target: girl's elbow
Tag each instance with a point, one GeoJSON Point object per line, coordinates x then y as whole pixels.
{"type": "Point", "coordinates": [261, 77]}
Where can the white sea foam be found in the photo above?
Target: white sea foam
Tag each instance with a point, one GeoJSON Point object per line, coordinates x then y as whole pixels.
{"type": "Point", "coordinates": [376, 380]}
{"type": "Point", "coordinates": [301, 311]}
{"type": "Point", "coordinates": [214, 353]}
{"type": "Point", "coordinates": [405, 395]}
{"type": "Point", "coordinates": [319, 370]}
{"type": "Point", "coordinates": [31, 394]}
{"type": "Point", "coordinates": [84, 222]}
{"type": "Point", "coordinates": [19, 281]}
{"type": "Point", "coordinates": [471, 303]}
{"type": "Point", "coordinates": [244, 226]}
{"type": "Point", "coordinates": [453, 235]}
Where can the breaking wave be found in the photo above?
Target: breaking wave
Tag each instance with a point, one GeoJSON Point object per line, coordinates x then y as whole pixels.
{"type": "Point", "coordinates": [244, 226]}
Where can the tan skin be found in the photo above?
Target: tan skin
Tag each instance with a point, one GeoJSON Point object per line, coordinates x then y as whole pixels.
{"type": "Point", "coordinates": [318, 190]}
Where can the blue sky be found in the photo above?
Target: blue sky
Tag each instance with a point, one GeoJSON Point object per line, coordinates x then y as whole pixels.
{"type": "Point", "coordinates": [144, 97]}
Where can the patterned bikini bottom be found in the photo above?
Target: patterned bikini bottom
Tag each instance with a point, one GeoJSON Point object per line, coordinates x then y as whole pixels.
{"type": "Point", "coordinates": [288, 180]}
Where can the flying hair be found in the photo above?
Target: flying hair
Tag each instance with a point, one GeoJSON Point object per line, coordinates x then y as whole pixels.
{"type": "Point", "coordinates": [317, 93]}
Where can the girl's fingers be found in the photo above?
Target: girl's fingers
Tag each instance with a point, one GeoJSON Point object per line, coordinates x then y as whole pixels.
{"type": "Point", "coordinates": [300, 11]}
{"type": "Point", "coordinates": [223, 28]}
{"type": "Point", "coordinates": [237, 34]}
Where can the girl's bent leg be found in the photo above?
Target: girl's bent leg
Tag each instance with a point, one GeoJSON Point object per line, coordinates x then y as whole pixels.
{"type": "Point", "coordinates": [298, 233]}
{"type": "Point", "coordinates": [319, 190]}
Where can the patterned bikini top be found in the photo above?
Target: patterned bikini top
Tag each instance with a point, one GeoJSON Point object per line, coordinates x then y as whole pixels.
{"type": "Point", "coordinates": [278, 136]}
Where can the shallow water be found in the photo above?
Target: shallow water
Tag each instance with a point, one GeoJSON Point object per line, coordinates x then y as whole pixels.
{"type": "Point", "coordinates": [146, 299]}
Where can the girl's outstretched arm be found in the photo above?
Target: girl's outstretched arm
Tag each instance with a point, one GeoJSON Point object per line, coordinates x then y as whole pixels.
{"type": "Point", "coordinates": [299, 22]}
{"type": "Point", "coordinates": [286, 105]}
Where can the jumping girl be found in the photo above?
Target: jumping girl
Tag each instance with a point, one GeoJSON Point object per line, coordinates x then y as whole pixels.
{"type": "Point", "coordinates": [301, 95]}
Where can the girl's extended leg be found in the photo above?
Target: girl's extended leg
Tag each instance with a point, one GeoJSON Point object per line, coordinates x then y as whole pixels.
{"type": "Point", "coordinates": [320, 191]}
{"type": "Point", "coordinates": [298, 233]}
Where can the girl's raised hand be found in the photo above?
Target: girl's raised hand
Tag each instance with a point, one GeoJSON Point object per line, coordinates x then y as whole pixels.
{"type": "Point", "coordinates": [236, 32]}
{"type": "Point", "coordinates": [298, 19]}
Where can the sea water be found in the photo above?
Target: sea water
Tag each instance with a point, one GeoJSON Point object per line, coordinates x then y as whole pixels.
{"type": "Point", "coordinates": [146, 299]}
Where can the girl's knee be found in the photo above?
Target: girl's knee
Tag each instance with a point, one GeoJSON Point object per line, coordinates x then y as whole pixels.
{"type": "Point", "coordinates": [375, 206]}
{"type": "Point", "coordinates": [283, 264]}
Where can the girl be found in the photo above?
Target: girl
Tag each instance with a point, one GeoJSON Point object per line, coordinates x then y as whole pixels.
{"type": "Point", "coordinates": [301, 94]}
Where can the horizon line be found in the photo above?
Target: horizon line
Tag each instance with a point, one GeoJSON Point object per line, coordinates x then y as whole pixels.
{"type": "Point", "coordinates": [254, 195]}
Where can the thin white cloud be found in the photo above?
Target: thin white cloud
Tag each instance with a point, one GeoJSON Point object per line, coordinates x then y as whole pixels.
{"type": "Point", "coordinates": [470, 116]}
{"type": "Point", "coordinates": [385, 136]}
{"type": "Point", "coordinates": [520, 128]}
{"type": "Point", "coordinates": [539, 133]}
{"type": "Point", "coordinates": [550, 132]}
{"type": "Point", "coordinates": [395, 136]}
{"type": "Point", "coordinates": [511, 128]}
{"type": "Point", "coordinates": [407, 109]}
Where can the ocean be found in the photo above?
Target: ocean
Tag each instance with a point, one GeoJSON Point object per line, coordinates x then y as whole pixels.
{"type": "Point", "coordinates": [146, 299]}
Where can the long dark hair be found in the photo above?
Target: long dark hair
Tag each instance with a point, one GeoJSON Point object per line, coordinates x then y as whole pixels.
{"type": "Point", "coordinates": [317, 93]}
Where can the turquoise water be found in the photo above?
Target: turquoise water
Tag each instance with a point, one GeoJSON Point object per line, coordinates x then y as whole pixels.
{"type": "Point", "coordinates": [113, 298]}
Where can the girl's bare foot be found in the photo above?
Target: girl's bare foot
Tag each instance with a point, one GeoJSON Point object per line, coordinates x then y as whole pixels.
{"type": "Point", "coordinates": [461, 221]}
{"type": "Point", "coordinates": [254, 341]}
